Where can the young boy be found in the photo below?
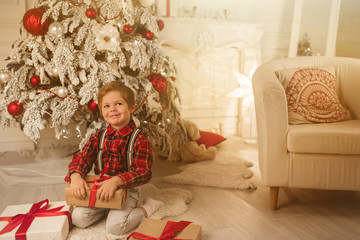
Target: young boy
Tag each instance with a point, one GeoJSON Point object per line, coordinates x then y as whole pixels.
{"type": "Point", "coordinates": [116, 104]}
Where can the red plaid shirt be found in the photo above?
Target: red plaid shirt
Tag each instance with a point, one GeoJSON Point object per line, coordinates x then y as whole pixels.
{"type": "Point", "coordinates": [114, 154]}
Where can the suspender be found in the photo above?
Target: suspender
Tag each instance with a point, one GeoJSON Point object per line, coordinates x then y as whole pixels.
{"type": "Point", "coordinates": [129, 152]}
{"type": "Point", "coordinates": [130, 147]}
{"type": "Point", "coordinates": [100, 152]}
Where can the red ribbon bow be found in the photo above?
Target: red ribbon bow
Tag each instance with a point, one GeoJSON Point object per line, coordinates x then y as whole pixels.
{"type": "Point", "coordinates": [93, 191]}
{"type": "Point", "coordinates": [25, 220]}
{"type": "Point", "coordinates": [171, 229]}
{"type": "Point", "coordinates": [92, 197]}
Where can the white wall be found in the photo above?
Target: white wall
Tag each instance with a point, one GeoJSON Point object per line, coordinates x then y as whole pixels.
{"type": "Point", "coordinates": [315, 22]}
{"type": "Point", "coordinates": [12, 14]}
{"type": "Point", "coordinates": [348, 43]}
{"type": "Point", "coordinates": [276, 18]}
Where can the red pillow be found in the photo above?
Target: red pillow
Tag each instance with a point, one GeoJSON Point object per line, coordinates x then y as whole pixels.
{"type": "Point", "coordinates": [210, 139]}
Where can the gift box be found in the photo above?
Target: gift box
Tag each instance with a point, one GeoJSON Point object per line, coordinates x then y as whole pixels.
{"type": "Point", "coordinates": [116, 202]}
{"type": "Point", "coordinates": [39, 221]}
{"type": "Point", "coordinates": [152, 229]}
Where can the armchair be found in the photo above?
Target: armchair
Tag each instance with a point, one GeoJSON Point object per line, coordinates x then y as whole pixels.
{"type": "Point", "coordinates": [313, 155]}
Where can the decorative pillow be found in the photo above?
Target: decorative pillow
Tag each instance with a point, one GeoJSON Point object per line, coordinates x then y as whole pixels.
{"type": "Point", "coordinates": [311, 95]}
{"type": "Point", "coordinates": [210, 139]}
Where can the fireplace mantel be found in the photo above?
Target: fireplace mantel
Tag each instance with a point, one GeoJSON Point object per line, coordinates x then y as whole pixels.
{"type": "Point", "coordinates": [206, 53]}
{"type": "Point", "coordinates": [200, 36]}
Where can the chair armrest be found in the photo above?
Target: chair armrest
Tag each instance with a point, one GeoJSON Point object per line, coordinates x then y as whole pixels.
{"type": "Point", "coordinates": [272, 125]}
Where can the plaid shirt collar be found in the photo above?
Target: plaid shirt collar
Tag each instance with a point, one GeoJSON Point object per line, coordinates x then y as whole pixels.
{"type": "Point", "coordinates": [113, 133]}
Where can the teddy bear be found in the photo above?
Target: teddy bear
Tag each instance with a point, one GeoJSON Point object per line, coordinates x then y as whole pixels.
{"type": "Point", "coordinates": [191, 151]}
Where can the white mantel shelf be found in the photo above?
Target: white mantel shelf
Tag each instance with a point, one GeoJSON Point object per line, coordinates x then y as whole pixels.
{"type": "Point", "coordinates": [188, 32]}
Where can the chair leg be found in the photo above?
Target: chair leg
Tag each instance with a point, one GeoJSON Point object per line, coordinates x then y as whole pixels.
{"type": "Point", "coordinates": [274, 193]}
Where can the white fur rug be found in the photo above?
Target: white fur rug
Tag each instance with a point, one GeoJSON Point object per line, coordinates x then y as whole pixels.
{"type": "Point", "coordinates": [175, 199]}
{"type": "Point", "coordinates": [229, 169]}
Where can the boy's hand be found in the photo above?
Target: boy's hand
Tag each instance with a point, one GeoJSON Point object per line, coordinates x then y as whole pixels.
{"type": "Point", "coordinates": [78, 186]}
{"type": "Point", "coordinates": [108, 187]}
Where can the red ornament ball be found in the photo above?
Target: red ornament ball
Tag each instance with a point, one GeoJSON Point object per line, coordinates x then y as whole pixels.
{"type": "Point", "coordinates": [148, 35]}
{"type": "Point", "coordinates": [128, 29]}
{"type": "Point", "coordinates": [32, 22]}
{"type": "Point", "coordinates": [93, 106]}
{"type": "Point", "coordinates": [161, 24]}
{"type": "Point", "coordinates": [35, 80]}
{"type": "Point", "coordinates": [90, 13]}
{"type": "Point", "coordinates": [15, 108]}
{"type": "Point", "coordinates": [173, 79]}
{"type": "Point", "coordinates": [159, 83]}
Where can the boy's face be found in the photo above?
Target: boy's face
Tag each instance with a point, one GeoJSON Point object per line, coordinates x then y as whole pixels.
{"type": "Point", "coordinates": [115, 110]}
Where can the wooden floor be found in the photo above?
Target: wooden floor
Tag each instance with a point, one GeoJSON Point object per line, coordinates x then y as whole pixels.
{"type": "Point", "coordinates": [233, 214]}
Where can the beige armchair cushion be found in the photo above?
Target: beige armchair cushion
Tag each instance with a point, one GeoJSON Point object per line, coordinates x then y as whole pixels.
{"type": "Point", "coordinates": [335, 138]}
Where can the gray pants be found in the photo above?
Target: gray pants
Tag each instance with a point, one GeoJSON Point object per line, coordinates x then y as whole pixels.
{"type": "Point", "coordinates": [118, 222]}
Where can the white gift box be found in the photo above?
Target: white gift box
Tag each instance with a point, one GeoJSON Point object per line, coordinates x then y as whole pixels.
{"type": "Point", "coordinates": [41, 228]}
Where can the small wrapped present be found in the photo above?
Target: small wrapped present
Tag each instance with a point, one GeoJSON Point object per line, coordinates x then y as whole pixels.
{"type": "Point", "coordinates": [116, 202]}
{"type": "Point", "coordinates": [38, 221]}
{"type": "Point", "coordinates": [152, 229]}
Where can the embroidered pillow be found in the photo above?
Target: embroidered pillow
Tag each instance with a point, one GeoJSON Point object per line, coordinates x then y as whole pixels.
{"type": "Point", "coordinates": [210, 139]}
{"type": "Point", "coordinates": [311, 95]}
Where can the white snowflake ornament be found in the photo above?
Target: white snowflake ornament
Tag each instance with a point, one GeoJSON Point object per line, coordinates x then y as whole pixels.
{"type": "Point", "coordinates": [107, 37]}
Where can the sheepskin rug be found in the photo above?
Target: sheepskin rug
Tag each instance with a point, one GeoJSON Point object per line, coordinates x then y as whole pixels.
{"type": "Point", "coordinates": [229, 169]}
{"type": "Point", "coordinates": [175, 199]}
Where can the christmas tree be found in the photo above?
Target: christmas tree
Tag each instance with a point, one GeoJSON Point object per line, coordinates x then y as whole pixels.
{"type": "Point", "coordinates": [69, 49]}
{"type": "Point", "coordinates": [304, 48]}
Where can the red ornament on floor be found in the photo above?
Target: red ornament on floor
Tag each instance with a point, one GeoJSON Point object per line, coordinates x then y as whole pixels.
{"type": "Point", "coordinates": [93, 106]}
{"type": "Point", "coordinates": [159, 83]}
{"type": "Point", "coordinates": [15, 108]}
{"type": "Point", "coordinates": [32, 22]}
{"type": "Point", "coordinates": [35, 80]}
{"type": "Point", "coordinates": [90, 13]}
{"type": "Point", "coordinates": [128, 29]}
{"type": "Point", "coordinates": [161, 24]}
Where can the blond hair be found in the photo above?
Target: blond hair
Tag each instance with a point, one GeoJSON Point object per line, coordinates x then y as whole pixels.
{"type": "Point", "coordinates": [126, 93]}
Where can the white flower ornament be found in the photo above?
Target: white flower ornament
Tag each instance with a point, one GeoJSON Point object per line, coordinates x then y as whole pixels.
{"type": "Point", "coordinates": [245, 90]}
{"type": "Point", "coordinates": [107, 37]}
